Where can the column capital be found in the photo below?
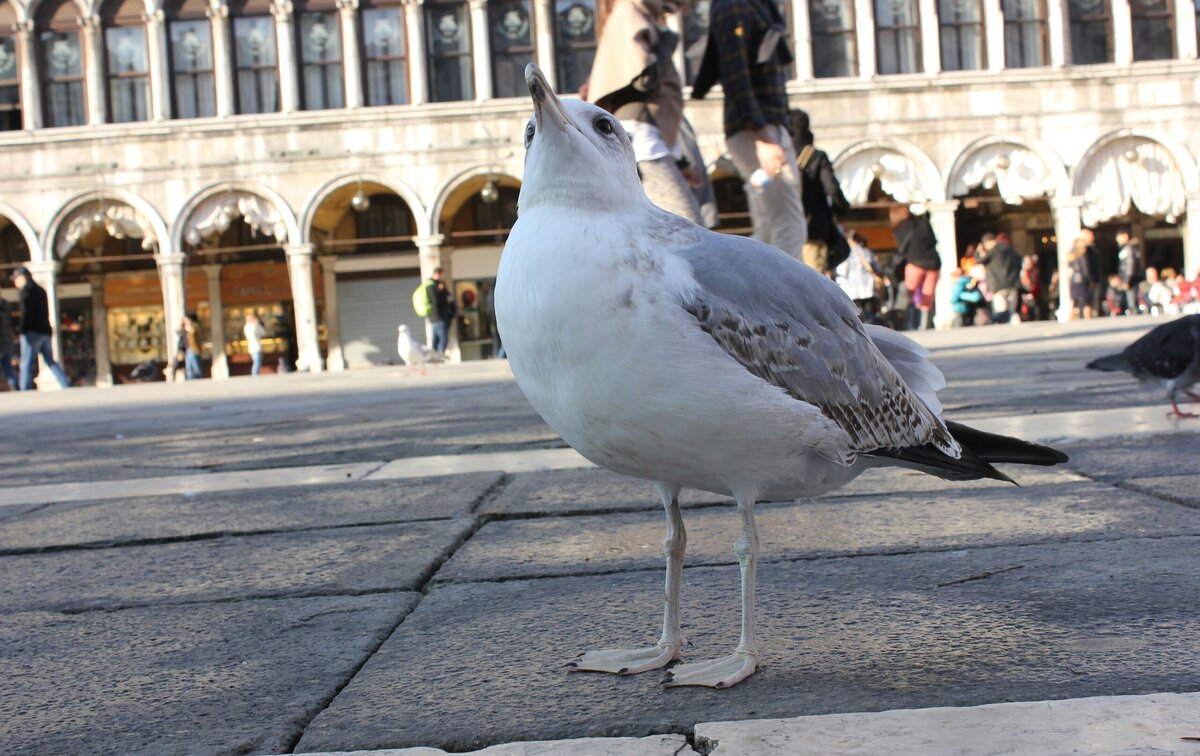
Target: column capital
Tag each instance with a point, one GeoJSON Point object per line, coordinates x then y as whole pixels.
{"type": "Point", "coordinates": [282, 10]}
{"type": "Point", "coordinates": [299, 250]}
{"type": "Point", "coordinates": [942, 206]}
{"type": "Point", "coordinates": [157, 17]}
{"type": "Point", "coordinates": [24, 28]}
{"type": "Point", "coordinates": [1065, 203]}
{"type": "Point", "coordinates": [347, 6]}
{"type": "Point", "coordinates": [429, 242]}
{"type": "Point", "coordinates": [328, 262]}
{"type": "Point", "coordinates": [212, 271]}
{"type": "Point", "coordinates": [220, 11]}
{"type": "Point", "coordinates": [39, 268]}
{"type": "Point", "coordinates": [90, 24]}
{"type": "Point", "coordinates": [478, 4]}
{"type": "Point", "coordinates": [413, 2]}
{"type": "Point", "coordinates": [171, 260]}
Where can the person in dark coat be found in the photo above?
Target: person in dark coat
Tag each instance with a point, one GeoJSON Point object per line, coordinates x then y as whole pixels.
{"type": "Point", "coordinates": [822, 198]}
{"type": "Point", "coordinates": [1092, 256]}
{"type": "Point", "coordinates": [1003, 266]}
{"type": "Point", "coordinates": [1130, 269]}
{"type": "Point", "coordinates": [444, 310]}
{"type": "Point", "coordinates": [8, 346]}
{"type": "Point", "coordinates": [36, 334]}
{"type": "Point", "coordinates": [916, 243]}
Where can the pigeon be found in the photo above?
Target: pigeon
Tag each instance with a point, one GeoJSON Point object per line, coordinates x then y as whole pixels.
{"type": "Point", "coordinates": [1169, 353]}
{"type": "Point", "coordinates": [413, 352]}
{"type": "Point", "coordinates": [664, 351]}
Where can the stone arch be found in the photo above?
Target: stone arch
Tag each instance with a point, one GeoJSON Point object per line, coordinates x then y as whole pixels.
{"type": "Point", "coordinates": [399, 188]}
{"type": "Point", "coordinates": [456, 183]}
{"type": "Point", "coordinates": [904, 171]}
{"type": "Point", "coordinates": [29, 11]}
{"type": "Point", "coordinates": [1018, 167]}
{"type": "Point", "coordinates": [144, 219]}
{"type": "Point", "coordinates": [245, 199]}
{"type": "Point", "coordinates": [1135, 168]}
{"type": "Point", "coordinates": [32, 240]}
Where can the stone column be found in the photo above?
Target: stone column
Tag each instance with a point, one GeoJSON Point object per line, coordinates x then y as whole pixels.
{"type": "Point", "coordinates": [543, 40]}
{"type": "Point", "coordinates": [45, 273]}
{"type": "Point", "coordinates": [429, 249]}
{"type": "Point", "coordinates": [481, 52]}
{"type": "Point", "coordinates": [222, 59]}
{"type": "Point", "coordinates": [1122, 32]}
{"type": "Point", "coordinates": [941, 218]}
{"type": "Point", "coordinates": [1058, 29]}
{"type": "Point", "coordinates": [1185, 30]}
{"type": "Point", "coordinates": [304, 301]}
{"type": "Point", "coordinates": [1191, 238]}
{"type": "Point", "coordinates": [334, 359]}
{"type": "Point", "coordinates": [802, 40]}
{"type": "Point", "coordinates": [418, 76]}
{"type": "Point", "coordinates": [170, 275]}
{"type": "Point", "coordinates": [993, 24]}
{"type": "Point", "coordinates": [351, 54]}
{"type": "Point", "coordinates": [93, 68]}
{"type": "Point", "coordinates": [160, 69]}
{"type": "Point", "coordinates": [100, 332]}
{"type": "Point", "coordinates": [931, 42]}
{"type": "Point", "coordinates": [675, 24]}
{"type": "Point", "coordinates": [216, 322]}
{"type": "Point", "coordinates": [864, 15]}
{"type": "Point", "coordinates": [1067, 225]}
{"type": "Point", "coordinates": [285, 45]}
{"type": "Point", "coordinates": [31, 88]}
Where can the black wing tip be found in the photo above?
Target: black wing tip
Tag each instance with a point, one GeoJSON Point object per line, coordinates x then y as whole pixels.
{"type": "Point", "coordinates": [1109, 364]}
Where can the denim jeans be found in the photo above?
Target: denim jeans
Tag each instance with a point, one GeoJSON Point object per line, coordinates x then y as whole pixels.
{"type": "Point", "coordinates": [33, 344]}
{"type": "Point", "coordinates": [441, 335]}
{"type": "Point", "coordinates": [255, 362]}
{"type": "Point", "coordinates": [191, 365]}
{"type": "Point", "coordinates": [10, 375]}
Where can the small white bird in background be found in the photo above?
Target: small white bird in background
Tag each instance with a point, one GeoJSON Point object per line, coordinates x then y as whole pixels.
{"type": "Point", "coordinates": [414, 352]}
{"type": "Point", "coordinates": [664, 351]}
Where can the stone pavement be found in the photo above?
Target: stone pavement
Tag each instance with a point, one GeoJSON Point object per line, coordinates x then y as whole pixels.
{"type": "Point", "coordinates": [397, 558]}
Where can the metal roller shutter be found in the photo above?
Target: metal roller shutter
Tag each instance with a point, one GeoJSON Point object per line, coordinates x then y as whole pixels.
{"type": "Point", "coordinates": [369, 310]}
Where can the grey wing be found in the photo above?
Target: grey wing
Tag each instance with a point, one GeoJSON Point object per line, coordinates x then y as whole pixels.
{"type": "Point", "coordinates": [794, 328]}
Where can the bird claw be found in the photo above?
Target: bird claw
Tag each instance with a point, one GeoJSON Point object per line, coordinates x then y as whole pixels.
{"type": "Point", "coordinates": [627, 661]}
{"type": "Point", "coordinates": [714, 673]}
{"type": "Point", "coordinates": [1177, 414]}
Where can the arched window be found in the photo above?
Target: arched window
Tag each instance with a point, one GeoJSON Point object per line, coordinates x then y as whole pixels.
{"type": "Point", "coordinates": [1025, 38]}
{"type": "Point", "coordinates": [255, 56]}
{"type": "Point", "coordinates": [897, 37]}
{"type": "Point", "coordinates": [575, 42]}
{"type": "Point", "coordinates": [1091, 31]}
{"type": "Point", "coordinates": [10, 76]}
{"type": "Point", "coordinates": [1153, 29]}
{"type": "Point", "coordinates": [189, 33]}
{"type": "Point", "coordinates": [510, 24]}
{"type": "Point", "coordinates": [834, 51]}
{"type": "Point", "coordinates": [319, 39]}
{"type": "Point", "coordinates": [385, 53]}
{"type": "Point", "coordinates": [448, 32]}
{"type": "Point", "coordinates": [960, 23]}
{"type": "Point", "coordinates": [125, 60]}
{"type": "Point", "coordinates": [60, 54]}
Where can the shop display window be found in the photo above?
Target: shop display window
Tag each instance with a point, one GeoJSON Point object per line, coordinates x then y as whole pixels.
{"type": "Point", "coordinates": [478, 337]}
{"type": "Point", "coordinates": [136, 334]}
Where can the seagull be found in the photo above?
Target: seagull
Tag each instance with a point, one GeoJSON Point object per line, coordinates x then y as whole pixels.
{"type": "Point", "coordinates": [414, 352]}
{"type": "Point", "coordinates": [1169, 353]}
{"type": "Point", "coordinates": [663, 351]}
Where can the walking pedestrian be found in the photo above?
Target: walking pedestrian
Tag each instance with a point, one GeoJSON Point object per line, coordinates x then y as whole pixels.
{"type": "Point", "coordinates": [747, 53]}
{"type": "Point", "coordinates": [822, 198]}
{"type": "Point", "coordinates": [36, 333]}
{"type": "Point", "coordinates": [1129, 268]}
{"type": "Point", "coordinates": [916, 243]}
{"type": "Point", "coordinates": [433, 302]}
{"type": "Point", "coordinates": [189, 344]}
{"type": "Point", "coordinates": [1082, 282]}
{"type": "Point", "coordinates": [634, 78]}
{"type": "Point", "coordinates": [254, 335]}
{"type": "Point", "coordinates": [1003, 266]}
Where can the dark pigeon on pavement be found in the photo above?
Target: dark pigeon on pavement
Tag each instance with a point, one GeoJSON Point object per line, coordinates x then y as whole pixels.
{"type": "Point", "coordinates": [1170, 353]}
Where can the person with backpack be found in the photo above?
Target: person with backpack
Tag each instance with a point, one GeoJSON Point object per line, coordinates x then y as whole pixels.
{"type": "Point", "coordinates": [822, 198]}
{"type": "Point", "coordinates": [432, 301]}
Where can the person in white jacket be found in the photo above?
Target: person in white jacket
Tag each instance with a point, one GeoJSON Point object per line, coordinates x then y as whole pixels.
{"type": "Point", "coordinates": [857, 275]}
{"type": "Point", "coordinates": [254, 335]}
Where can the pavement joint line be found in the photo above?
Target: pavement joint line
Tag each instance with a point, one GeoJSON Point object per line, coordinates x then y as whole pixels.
{"type": "Point", "coordinates": [72, 611]}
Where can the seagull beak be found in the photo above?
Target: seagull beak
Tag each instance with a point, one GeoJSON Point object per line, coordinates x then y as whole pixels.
{"type": "Point", "coordinates": [545, 102]}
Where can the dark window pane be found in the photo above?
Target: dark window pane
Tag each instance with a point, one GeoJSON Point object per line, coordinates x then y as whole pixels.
{"type": "Point", "coordinates": [10, 89]}
{"type": "Point", "coordinates": [897, 37]}
{"type": "Point", "coordinates": [8, 60]}
{"type": "Point", "coordinates": [448, 29]}
{"type": "Point", "coordinates": [833, 44]}
{"type": "Point", "coordinates": [510, 25]}
{"type": "Point", "coordinates": [1024, 33]}
{"type": "Point", "coordinates": [961, 34]}
{"type": "Point", "coordinates": [62, 69]}
{"type": "Point", "coordinates": [1153, 29]}
{"type": "Point", "coordinates": [193, 86]}
{"type": "Point", "coordinates": [254, 54]}
{"type": "Point", "coordinates": [128, 83]}
{"type": "Point", "coordinates": [385, 55]}
{"type": "Point", "coordinates": [321, 60]}
{"type": "Point", "coordinates": [1089, 31]}
{"type": "Point", "coordinates": [575, 36]}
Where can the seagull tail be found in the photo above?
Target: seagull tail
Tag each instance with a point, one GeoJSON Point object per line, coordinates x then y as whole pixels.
{"type": "Point", "coordinates": [980, 451]}
{"type": "Point", "coordinates": [1111, 364]}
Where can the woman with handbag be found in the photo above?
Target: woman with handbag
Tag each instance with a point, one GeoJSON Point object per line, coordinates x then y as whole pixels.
{"type": "Point", "coordinates": [634, 78]}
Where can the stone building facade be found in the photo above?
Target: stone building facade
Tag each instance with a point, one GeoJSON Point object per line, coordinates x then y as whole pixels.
{"type": "Point", "coordinates": [311, 162]}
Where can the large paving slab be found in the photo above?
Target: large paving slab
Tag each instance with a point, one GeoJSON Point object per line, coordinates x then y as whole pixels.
{"type": "Point", "coordinates": [954, 518]}
{"type": "Point", "coordinates": [1184, 489]}
{"type": "Point", "coordinates": [655, 745]}
{"type": "Point", "coordinates": [482, 663]}
{"type": "Point", "coordinates": [1129, 725]}
{"type": "Point", "coordinates": [1117, 459]}
{"type": "Point", "coordinates": [321, 562]}
{"type": "Point", "coordinates": [246, 511]}
{"type": "Point", "coordinates": [241, 677]}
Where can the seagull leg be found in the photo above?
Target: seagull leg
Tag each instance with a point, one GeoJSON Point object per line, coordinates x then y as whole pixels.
{"type": "Point", "coordinates": [731, 670]}
{"type": "Point", "coordinates": [667, 650]}
{"type": "Point", "coordinates": [1179, 414]}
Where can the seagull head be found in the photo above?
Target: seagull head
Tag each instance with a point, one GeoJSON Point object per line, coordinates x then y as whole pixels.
{"type": "Point", "coordinates": [403, 328]}
{"type": "Point", "coordinates": [576, 154]}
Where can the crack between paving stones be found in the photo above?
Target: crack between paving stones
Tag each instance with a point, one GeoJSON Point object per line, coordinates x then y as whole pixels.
{"type": "Point", "coordinates": [425, 579]}
{"type": "Point", "coordinates": [1132, 487]}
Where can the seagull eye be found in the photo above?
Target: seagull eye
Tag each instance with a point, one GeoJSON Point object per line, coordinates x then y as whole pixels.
{"type": "Point", "coordinates": [604, 125]}
{"type": "Point", "coordinates": [529, 134]}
